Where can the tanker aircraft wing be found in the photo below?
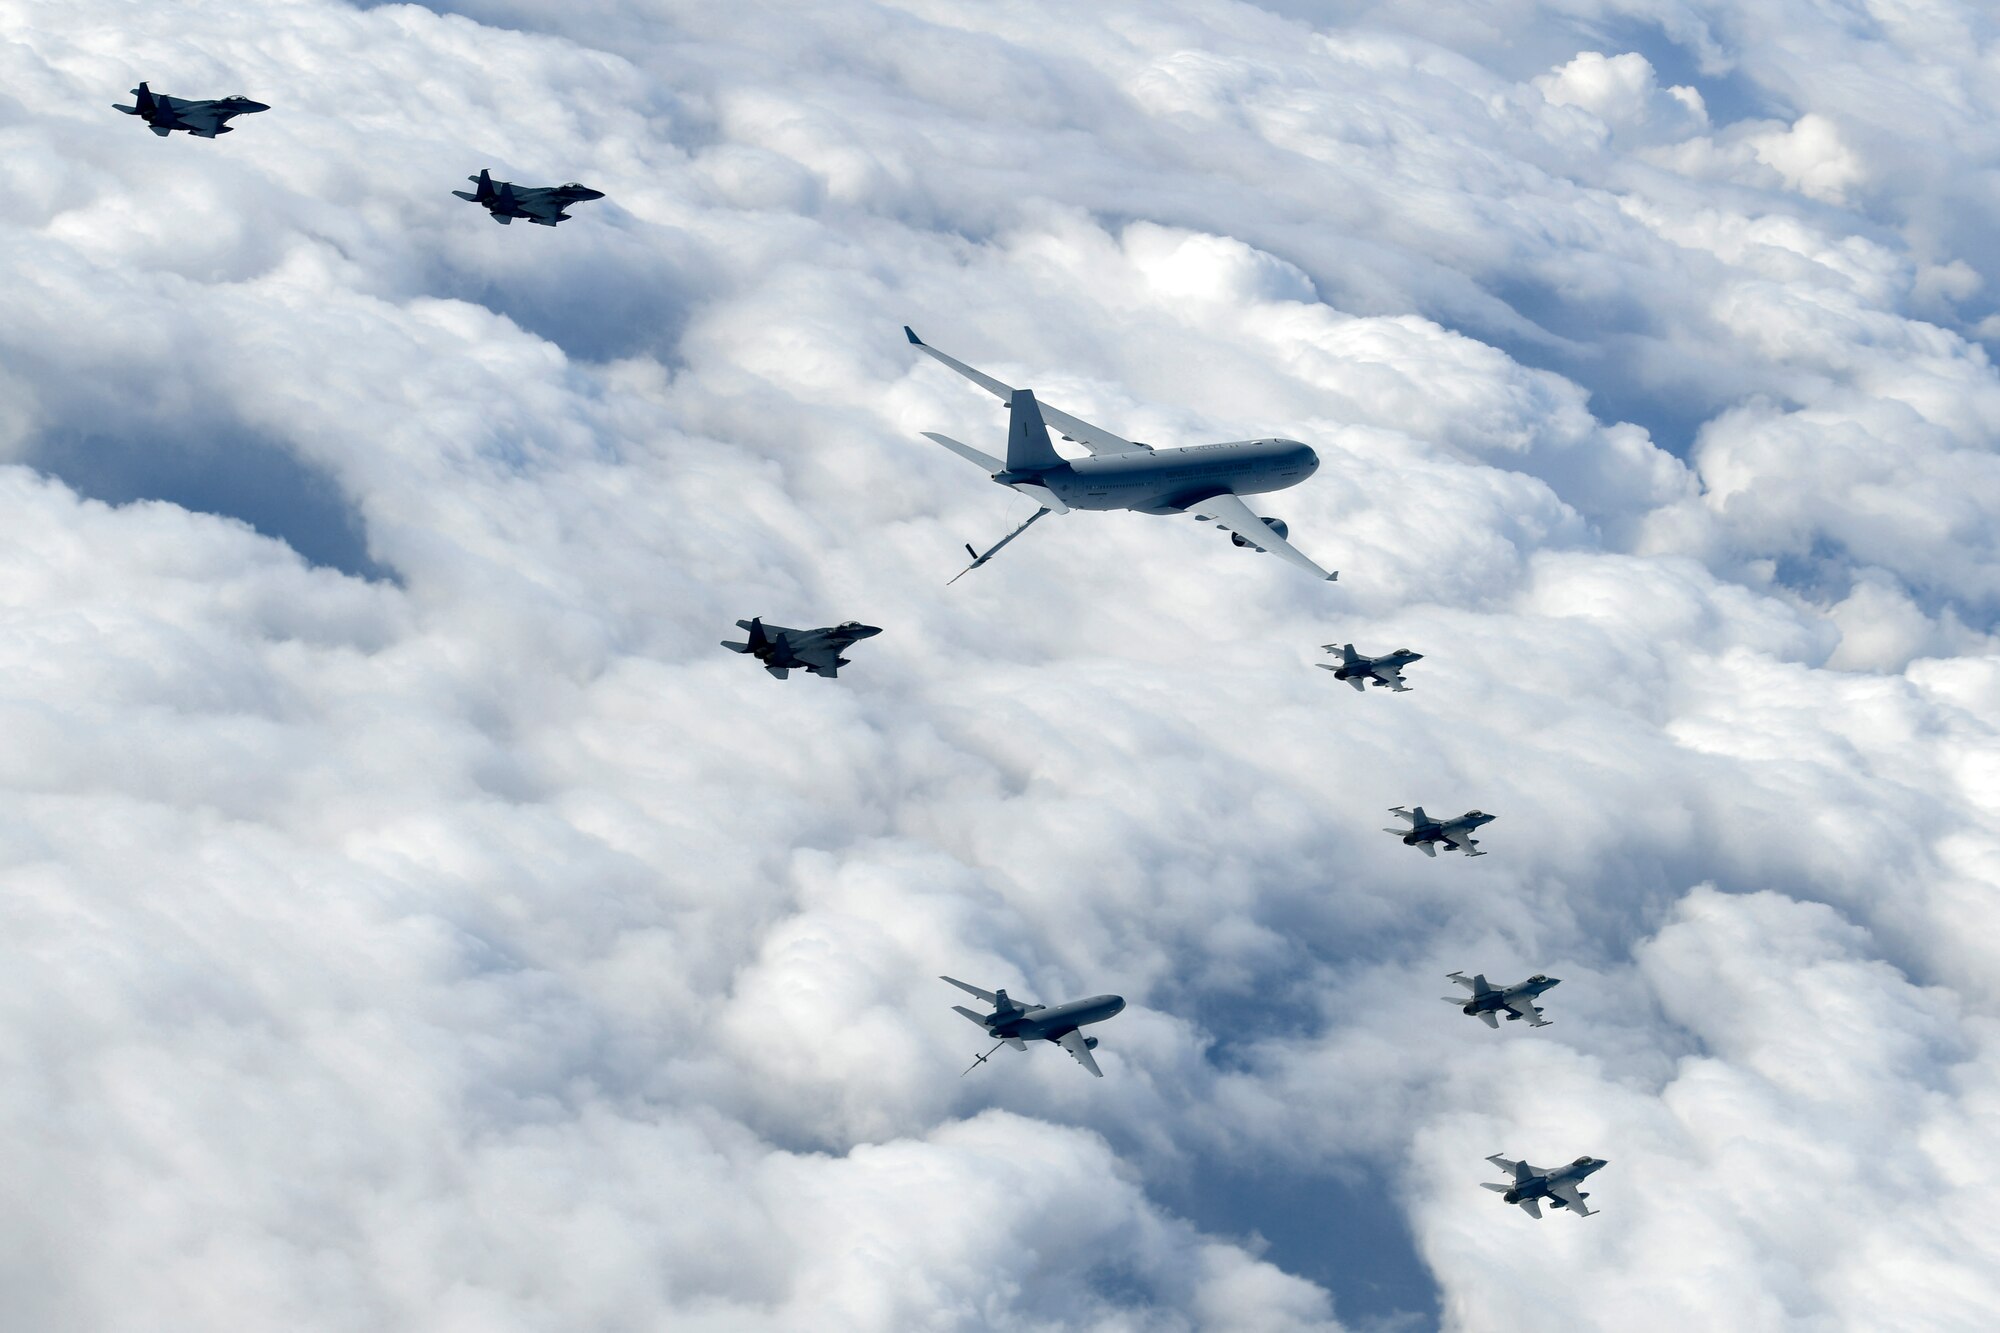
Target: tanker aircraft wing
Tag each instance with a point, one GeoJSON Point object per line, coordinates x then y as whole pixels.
{"type": "Point", "coordinates": [1229, 511]}
{"type": "Point", "coordinates": [1077, 1045]}
{"type": "Point", "coordinates": [1094, 438]}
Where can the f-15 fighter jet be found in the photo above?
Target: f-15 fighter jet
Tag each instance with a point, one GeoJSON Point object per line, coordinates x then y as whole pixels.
{"type": "Point", "coordinates": [1488, 1002]}
{"type": "Point", "coordinates": [540, 204]}
{"type": "Point", "coordinates": [1016, 1024]}
{"type": "Point", "coordinates": [1361, 672]}
{"type": "Point", "coordinates": [1558, 1185]}
{"type": "Point", "coordinates": [1427, 833]}
{"type": "Point", "coordinates": [202, 119]}
{"type": "Point", "coordinates": [783, 650]}
{"type": "Point", "coordinates": [1205, 480]}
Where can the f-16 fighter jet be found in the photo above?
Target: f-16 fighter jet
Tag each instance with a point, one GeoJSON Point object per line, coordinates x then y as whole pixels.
{"type": "Point", "coordinates": [1427, 833]}
{"type": "Point", "coordinates": [1016, 1024]}
{"type": "Point", "coordinates": [1204, 480]}
{"type": "Point", "coordinates": [819, 651]}
{"type": "Point", "coordinates": [1558, 1185]}
{"type": "Point", "coordinates": [202, 119]}
{"type": "Point", "coordinates": [1489, 1002]}
{"type": "Point", "coordinates": [540, 204]}
{"type": "Point", "coordinates": [1361, 672]}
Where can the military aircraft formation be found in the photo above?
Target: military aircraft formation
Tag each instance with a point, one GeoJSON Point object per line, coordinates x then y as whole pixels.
{"type": "Point", "coordinates": [1204, 481]}
{"type": "Point", "coordinates": [503, 200]}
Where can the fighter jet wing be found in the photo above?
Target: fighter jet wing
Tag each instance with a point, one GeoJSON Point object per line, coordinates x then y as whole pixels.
{"type": "Point", "coordinates": [1230, 511]}
{"type": "Point", "coordinates": [1572, 1197]}
{"type": "Point", "coordinates": [1094, 438]}
{"type": "Point", "coordinates": [818, 657]}
{"type": "Point", "coordinates": [200, 120]}
{"type": "Point", "coordinates": [1393, 679]}
{"type": "Point", "coordinates": [1525, 1007]}
{"type": "Point", "coordinates": [1073, 1042]}
{"type": "Point", "coordinates": [538, 204]}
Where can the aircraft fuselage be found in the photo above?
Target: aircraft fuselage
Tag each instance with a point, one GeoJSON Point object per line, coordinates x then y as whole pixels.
{"type": "Point", "coordinates": [1051, 1023]}
{"type": "Point", "coordinates": [1166, 481]}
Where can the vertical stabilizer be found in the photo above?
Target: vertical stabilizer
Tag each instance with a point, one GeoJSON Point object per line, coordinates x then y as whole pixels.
{"type": "Point", "coordinates": [1028, 446]}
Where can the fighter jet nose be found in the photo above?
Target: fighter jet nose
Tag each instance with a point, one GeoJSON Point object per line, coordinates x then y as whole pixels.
{"type": "Point", "coordinates": [866, 631]}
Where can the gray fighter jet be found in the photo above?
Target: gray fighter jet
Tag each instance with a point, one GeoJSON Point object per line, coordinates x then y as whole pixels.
{"type": "Point", "coordinates": [1204, 480]}
{"type": "Point", "coordinates": [1016, 1024]}
{"type": "Point", "coordinates": [1361, 672]}
{"type": "Point", "coordinates": [1427, 833]}
{"type": "Point", "coordinates": [1488, 1002]}
{"type": "Point", "coordinates": [202, 119]}
{"type": "Point", "coordinates": [540, 204]}
{"type": "Point", "coordinates": [783, 650]}
{"type": "Point", "coordinates": [1558, 1185]}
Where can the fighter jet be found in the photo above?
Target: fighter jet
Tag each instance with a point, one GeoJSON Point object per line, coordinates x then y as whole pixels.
{"type": "Point", "coordinates": [202, 119]}
{"type": "Point", "coordinates": [817, 650]}
{"type": "Point", "coordinates": [1488, 1002]}
{"type": "Point", "coordinates": [1016, 1024]}
{"type": "Point", "coordinates": [1205, 480]}
{"type": "Point", "coordinates": [1558, 1185]}
{"type": "Point", "coordinates": [1361, 672]}
{"type": "Point", "coordinates": [1427, 833]}
{"type": "Point", "coordinates": [540, 204]}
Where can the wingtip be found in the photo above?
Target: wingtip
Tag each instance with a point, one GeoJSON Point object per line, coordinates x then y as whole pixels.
{"type": "Point", "coordinates": [911, 334]}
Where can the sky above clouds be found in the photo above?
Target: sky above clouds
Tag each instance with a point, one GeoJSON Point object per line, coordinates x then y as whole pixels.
{"type": "Point", "coordinates": [417, 922]}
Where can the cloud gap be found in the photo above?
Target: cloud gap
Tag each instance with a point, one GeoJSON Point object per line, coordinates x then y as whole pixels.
{"type": "Point", "coordinates": [231, 473]}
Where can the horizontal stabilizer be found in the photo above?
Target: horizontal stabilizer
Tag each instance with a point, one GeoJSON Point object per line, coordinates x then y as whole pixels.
{"type": "Point", "coordinates": [986, 995]}
{"type": "Point", "coordinates": [1041, 495]}
{"type": "Point", "coordinates": [977, 1018]}
{"type": "Point", "coordinates": [736, 647]}
{"type": "Point", "coordinates": [1491, 1020]}
{"type": "Point", "coordinates": [967, 452]}
{"type": "Point", "coordinates": [1497, 1189]}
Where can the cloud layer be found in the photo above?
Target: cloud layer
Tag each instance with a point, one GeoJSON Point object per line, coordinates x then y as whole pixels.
{"type": "Point", "coordinates": [419, 923]}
